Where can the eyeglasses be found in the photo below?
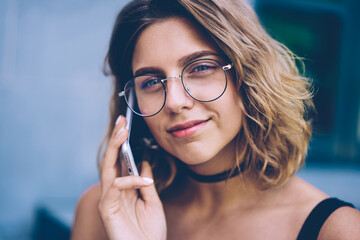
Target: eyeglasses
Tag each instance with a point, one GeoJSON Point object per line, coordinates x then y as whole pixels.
{"type": "Point", "coordinates": [204, 80]}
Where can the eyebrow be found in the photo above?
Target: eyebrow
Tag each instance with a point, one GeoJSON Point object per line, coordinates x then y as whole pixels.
{"type": "Point", "coordinates": [181, 62]}
{"type": "Point", "coordinates": [189, 58]}
{"type": "Point", "coordinates": [146, 71]}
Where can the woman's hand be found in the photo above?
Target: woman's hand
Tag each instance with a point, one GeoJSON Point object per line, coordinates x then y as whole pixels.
{"type": "Point", "coordinates": [124, 213]}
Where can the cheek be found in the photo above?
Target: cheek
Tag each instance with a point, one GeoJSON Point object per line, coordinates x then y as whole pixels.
{"type": "Point", "coordinates": [231, 102]}
{"type": "Point", "coordinates": [231, 114]}
{"type": "Point", "coordinates": [153, 124]}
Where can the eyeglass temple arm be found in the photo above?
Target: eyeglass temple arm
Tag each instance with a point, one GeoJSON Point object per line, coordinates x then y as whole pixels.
{"type": "Point", "coordinates": [121, 94]}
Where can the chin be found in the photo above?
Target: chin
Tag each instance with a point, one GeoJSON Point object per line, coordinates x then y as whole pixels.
{"type": "Point", "coordinates": [195, 158]}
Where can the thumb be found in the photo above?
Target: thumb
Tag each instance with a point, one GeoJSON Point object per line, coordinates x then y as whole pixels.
{"type": "Point", "coordinates": [148, 193]}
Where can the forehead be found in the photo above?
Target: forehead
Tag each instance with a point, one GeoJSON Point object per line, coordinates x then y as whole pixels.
{"type": "Point", "coordinates": [166, 41]}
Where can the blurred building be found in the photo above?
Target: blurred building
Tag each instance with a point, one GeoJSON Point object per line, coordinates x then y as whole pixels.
{"type": "Point", "coordinates": [326, 34]}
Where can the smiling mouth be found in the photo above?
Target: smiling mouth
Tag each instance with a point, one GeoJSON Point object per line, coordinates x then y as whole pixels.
{"type": "Point", "coordinates": [187, 129]}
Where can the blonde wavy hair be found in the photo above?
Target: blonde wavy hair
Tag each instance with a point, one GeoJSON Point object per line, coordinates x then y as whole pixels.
{"type": "Point", "coordinates": [275, 98]}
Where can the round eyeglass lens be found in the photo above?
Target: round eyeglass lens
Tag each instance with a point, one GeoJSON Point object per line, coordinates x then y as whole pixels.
{"type": "Point", "coordinates": [204, 80]}
{"type": "Point", "coordinates": [149, 95]}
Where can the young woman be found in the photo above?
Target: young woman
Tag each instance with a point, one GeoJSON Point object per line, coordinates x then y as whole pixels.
{"type": "Point", "coordinates": [221, 128]}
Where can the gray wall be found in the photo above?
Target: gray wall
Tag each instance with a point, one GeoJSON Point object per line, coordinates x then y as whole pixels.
{"type": "Point", "coordinates": [53, 102]}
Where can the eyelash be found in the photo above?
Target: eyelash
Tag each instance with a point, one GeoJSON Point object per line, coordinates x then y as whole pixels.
{"type": "Point", "coordinates": [151, 80]}
{"type": "Point", "coordinates": [206, 66]}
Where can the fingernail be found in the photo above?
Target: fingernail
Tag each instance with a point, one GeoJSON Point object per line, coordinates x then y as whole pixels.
{"type": "Point", "coordinates": [148, 180]}
{"type": "Point", "coordinates": [118, 120]}
{"type": "Point", "coordinates": [120, 131]}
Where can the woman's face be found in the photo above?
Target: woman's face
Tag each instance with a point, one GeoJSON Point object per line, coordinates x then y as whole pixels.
{"type": "Point", "coordinates": [192, 131]}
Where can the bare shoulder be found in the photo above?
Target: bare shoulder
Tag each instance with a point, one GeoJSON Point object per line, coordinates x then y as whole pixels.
{"type": "Point", "coordinates": [87, 223]}
{"type": "Point", "coordinates": [304, 195]}
{"type": "Point", "coordinates": [342, 224]}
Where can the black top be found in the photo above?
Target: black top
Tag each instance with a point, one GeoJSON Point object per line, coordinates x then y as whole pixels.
{"type": "Point", "coordinates": [313, 223]}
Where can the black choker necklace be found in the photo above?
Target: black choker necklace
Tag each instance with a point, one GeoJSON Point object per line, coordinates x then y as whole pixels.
{"type": "Point", "coordinates": [216, 177]}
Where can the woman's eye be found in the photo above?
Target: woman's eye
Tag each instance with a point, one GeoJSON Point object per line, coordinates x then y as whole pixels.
{"type": "Point", "coordinates": [148, 83]}
{"type": "Point", "coordinates": [202, 68]}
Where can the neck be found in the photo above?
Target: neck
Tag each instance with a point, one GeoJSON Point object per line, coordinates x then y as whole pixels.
{"type": "Point", "coordinates": [210, 199]}
{"type": "Point", "coordinates": [218, 194]}
{"type": "Point", "coordinates": [223, 196]}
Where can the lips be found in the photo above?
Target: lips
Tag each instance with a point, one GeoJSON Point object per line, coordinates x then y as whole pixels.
{"type": "Point", "coordinates": [187, 129]}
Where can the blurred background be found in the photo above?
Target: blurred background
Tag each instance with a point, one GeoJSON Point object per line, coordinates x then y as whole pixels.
{"type": "Point", "coordinates": [54, 101]}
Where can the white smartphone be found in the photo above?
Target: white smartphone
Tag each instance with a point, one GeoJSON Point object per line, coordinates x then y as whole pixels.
{"type": "Point", "coordinates": [125, 150]}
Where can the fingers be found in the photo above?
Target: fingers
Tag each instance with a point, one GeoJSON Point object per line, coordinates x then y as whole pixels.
{"type": "Point", "coordinates": [128, 182]}
{"type": "Point", "coordinates": [124, 186]}
{"type": "Point", "coordinates": [111, 185]}
{"type": "Point", "coordinates": [148, 193]}
{"type": "Point", "coordinates": [109, 169]}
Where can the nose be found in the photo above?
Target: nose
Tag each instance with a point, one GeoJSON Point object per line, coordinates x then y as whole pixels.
{"type": "Point", "coordinates": [177, 98]}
